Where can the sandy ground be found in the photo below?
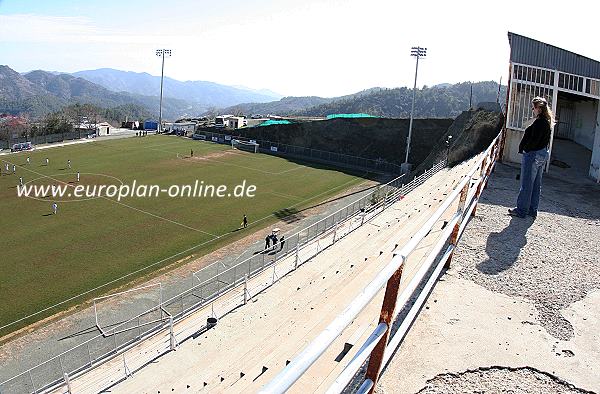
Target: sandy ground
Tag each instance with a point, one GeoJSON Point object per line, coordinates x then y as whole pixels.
{"type": "Point", "coordinates": [522, 296]}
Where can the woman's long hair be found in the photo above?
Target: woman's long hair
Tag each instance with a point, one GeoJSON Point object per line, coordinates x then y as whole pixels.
{"type": "Point", "coordinates": [546, 113]}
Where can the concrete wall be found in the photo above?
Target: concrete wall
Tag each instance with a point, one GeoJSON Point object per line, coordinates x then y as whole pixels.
{"type": "Point", "coordinates": [584, 123]}
{"type": "Point", "coordinates": [595, 163]}
{"type": "Point", "coordinates": [511, 146]}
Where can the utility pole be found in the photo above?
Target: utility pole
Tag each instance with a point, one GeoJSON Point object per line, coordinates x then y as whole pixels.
{"type": "Point", "coordinates": [471, 98]}
{"type": "Point", "coordinates": [418, 52]}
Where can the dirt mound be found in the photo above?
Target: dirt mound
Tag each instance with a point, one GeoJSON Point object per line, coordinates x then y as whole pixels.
{"type": "Point", "coordinates": [472, 132]}
{"type": "Point", "coordinates": [374, 138]}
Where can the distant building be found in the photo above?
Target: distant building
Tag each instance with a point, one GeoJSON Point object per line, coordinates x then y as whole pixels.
{"type": "Point", "coordinates": [151, 125]}
{"type": "Point", "coordinates": [183, 127]}
{"type": "Point", "coordinates": [88, 128]}
{"type": "Point", "coordinates": [222, 121]}
{"type": "Point", "coordinates": [571, 84]}
{"type": "Point", "coordinates": [133, 125]}
{"type": "Point", "coordinates": [103, 128]}
{"type": "Point", "coordinates": [235, 122]}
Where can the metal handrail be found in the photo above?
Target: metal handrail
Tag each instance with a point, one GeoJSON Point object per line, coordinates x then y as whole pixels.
{"type": "Point", "coordinates": [381, 203]}
{"type": "Point", "coordinates": [293, 371]}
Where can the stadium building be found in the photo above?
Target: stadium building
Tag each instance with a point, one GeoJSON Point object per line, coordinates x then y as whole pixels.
{"type": "Point", "coordinates": [571, 84]}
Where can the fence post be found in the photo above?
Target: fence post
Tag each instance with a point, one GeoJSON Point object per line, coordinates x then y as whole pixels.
{"type": "Point", "coordinates": [96, 314]}
{"type": "Point", "coordinates": [245, 289]}
{"type": "Point", "coordinates": [62, 368]}
{"type": "Point", "coordinates": [67, 382]}
{"type": "Point", "coordinates": [32, 384]}
{"type": "Point", "coordinates": [89, 354]}
{"type": "Point", "coordinates": [461, 208]}
{"type": "Point", "coordinates": [160, 300]}
{"type": "Point", "coordinates": [479, 187]}
{"type": "Point", "coordinates": [125, 367]}
{"type": "Point", "coordinates": [335, 232]}
{"type": "Point", "coordinates": [387, 313]}
{"type": "Point", "coordinates": [172, 340]}
{"type": "Point", "coordinates": [297, 255]}
{"type": "Point", "coordinates": [385, 197]}
{"type": "Point", "coordinates": [115, 339]}
{"type": "Point", "coordinates": [274, 273]}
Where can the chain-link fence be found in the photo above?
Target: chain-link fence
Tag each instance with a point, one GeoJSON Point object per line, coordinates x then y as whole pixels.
{"type": "Point", "coordinates": [47, 139]}
{"type": "Point", "coordinates": [309, 154]}
{"type": "Point", "coordinates": [159, 321]}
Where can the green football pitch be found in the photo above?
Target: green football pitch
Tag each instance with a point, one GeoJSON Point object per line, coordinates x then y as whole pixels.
{"type": "Point", "coordinates": [47, 258]}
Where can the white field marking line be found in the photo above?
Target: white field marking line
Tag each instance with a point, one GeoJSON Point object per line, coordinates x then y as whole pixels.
{"type": "Point", "coordinates": [235, 151]}
{"type": "Point", "coordinates": [283, 195]}
{"type": "Point", "coordinates": [120, 203]}
{"type": "Point", "coordinates": [155, 263]}
{"type": "Point", "coordinates": [256, 169]}
{"type": "Point", "coordinates": [235, 165]}
{"type": "Point", "coordinates": [292, 169]}
{"type": "Point", "coordinates": [165, 144]}
{"type": "Point", "coordinates": [252, 168]}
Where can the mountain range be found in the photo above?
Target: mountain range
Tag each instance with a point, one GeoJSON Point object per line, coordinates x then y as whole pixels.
{"type": "Point", "coordinates": [202, 93]}
{"type": "Point", "coordinates": [440, 101]}
{"type": "Point", "coordinates": [38, 93]}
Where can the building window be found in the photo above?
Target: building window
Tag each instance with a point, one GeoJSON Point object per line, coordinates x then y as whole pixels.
{"type": "Point", "coordinates": [521, 94]}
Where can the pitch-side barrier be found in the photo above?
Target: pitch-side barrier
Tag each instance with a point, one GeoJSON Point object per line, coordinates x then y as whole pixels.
{"type": "Point", "coordinates": [379, 346]}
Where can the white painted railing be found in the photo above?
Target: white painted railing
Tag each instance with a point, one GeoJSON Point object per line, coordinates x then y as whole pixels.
{"type": "Point", "coordinates": [379, 347]}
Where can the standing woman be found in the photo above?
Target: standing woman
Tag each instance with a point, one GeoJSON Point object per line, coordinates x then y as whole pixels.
{"type": "Point", "coordinates": [534, 147]}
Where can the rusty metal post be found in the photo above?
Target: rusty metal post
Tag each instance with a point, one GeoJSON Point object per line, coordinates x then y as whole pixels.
{"type": "Point", "coordinates": [387, 313]}
{"type": "Point", "coordinates": [479, 187]}
{"type": "Point", "coordinates": [461, 209]}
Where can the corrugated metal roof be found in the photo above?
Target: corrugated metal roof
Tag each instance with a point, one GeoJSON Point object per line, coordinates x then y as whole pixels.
{"type": "Point", "coordinates": [536, 53]}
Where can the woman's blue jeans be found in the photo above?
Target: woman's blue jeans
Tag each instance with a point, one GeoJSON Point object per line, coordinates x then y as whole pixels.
{"type": "Point", "coordinates": [532, 168]}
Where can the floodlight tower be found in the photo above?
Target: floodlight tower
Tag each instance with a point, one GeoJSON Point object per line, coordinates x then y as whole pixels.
{"type": "Point", "coordinates": [161, 53]}
{"type": "Point", "coordinates": [418, 52]}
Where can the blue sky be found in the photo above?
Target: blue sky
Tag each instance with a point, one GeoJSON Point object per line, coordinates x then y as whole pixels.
{"type": "Point", "coordinates": [309, 47]}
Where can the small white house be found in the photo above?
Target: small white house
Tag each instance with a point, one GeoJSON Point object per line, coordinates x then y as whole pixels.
{"type": "Point", "coordinates": [103, 128]}
{"type": "Point", "coordinates": [235, 122]}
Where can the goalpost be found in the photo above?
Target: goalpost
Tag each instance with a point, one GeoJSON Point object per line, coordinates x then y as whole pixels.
{"type": "Point", "coordinates": [244, 145]}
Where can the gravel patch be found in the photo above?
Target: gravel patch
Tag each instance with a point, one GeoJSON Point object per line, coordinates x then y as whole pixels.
{"type": "Point", "coordinates": [520, 257]}
{"type": "Point", "coordinates": [499, 380]}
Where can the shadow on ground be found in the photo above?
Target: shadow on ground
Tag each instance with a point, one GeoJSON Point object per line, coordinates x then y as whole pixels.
{"type": "Point", "coordinates": [503, 248]}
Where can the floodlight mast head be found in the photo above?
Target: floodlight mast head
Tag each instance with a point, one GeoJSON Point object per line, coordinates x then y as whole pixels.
{"type": "Point", "coordinates": [165, 52]}
{"type": "Point", "coordinates": [161, 53]}
{"type": "Point", "coordinates": [418, 52]}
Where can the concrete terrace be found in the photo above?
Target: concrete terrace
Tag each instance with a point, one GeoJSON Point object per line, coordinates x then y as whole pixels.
{"type": "Point", "coordinates": [519, 310]}
{"type": "Point", "coordinates": [252, 344]}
